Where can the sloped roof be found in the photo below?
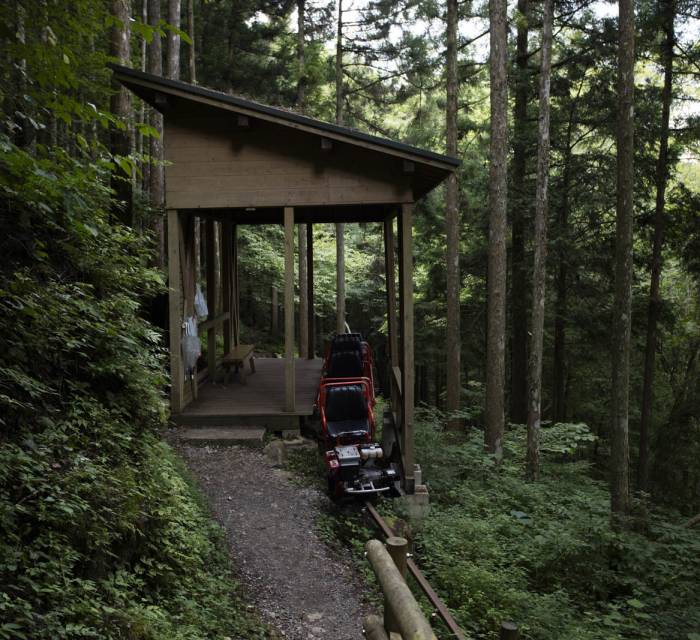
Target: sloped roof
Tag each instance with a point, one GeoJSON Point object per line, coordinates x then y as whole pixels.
{"type": "Point", "coordinates": [432, 168]}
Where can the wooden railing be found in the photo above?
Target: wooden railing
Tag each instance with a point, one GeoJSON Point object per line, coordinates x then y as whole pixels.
{"type": "Point", "coordinates": [402, 613]}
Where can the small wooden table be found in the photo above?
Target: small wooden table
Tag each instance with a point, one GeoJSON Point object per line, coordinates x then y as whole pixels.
{"type": "Point", "coordinates": [236, 359]}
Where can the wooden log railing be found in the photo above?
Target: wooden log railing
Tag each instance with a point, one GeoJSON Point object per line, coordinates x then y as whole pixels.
{"type": "Point", "coordinates": [402, 613]}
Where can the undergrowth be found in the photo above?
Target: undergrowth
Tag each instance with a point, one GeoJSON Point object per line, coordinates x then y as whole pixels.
{"type": "Point", "coordinates": [543, 554]}
{"type": "Point", "coordinates": [100, 535]}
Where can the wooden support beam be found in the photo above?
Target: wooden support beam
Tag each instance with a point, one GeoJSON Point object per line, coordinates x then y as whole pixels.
{"type": "Point", "coordinates": [310, 290]}
{"type": "Point", "coordinates": [227, 281]}
{"type": "Point", "coordinates": [289, 385]}
{"type": "Point", "coordinates": [303, 293]}
{"type": "Point", "coordinates": [236, 318]}
{"type": "Point", "coordinates": [407, 364]}
{"type": "Point", "coordinates": [340, 277]}
{"type": "Point", "coordinates": [390, 274]}
{"type": "Point", "coordinates": [211, 297]}
{"type": "Point", "coordinates": [177, 374]}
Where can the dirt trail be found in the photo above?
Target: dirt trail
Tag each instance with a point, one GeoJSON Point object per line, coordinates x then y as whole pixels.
{"type": "Point", "coordinates": [302, 587]}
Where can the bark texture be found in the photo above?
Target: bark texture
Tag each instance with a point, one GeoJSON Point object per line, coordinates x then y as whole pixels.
{"type": "Point", "coordinates": [156, 179]}
{"type": "Point", "coordinates": [667, 8]}
{"type": "Point", "coordinates": [539, 270]}
{"type": "Point", "coordinates": [452, 225]}
{"type": "Point", "coordinates": [622, 307]}
{"type": "Point", "coordinates": [173, 55]}
{"type": "Point", "coordinates": [303, 294]}
{"type": "Point", "coordinates": [518, 209]}
{"type": "Point", "coordinates": [120, 106]}
{"type": "Point", "coordinates": [339, 228]}
{"type": "Point", "coordinates": [192, 60]}
{"type": "Point", "coordinates": [301, 83]}
{"type": "Point", "coordinates": [495, 346]}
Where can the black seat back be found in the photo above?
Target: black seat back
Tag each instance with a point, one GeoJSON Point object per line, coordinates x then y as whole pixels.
{"type": "Point", "coordinates": [346, 402]}
{"type": "Point", "coordinates": [345, 364]}
{"type": "Point", "coordinates": [347, 342]}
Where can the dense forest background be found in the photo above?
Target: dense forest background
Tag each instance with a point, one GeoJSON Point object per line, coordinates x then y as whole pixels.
{"type": "Point", "coordinates": [89, 493]}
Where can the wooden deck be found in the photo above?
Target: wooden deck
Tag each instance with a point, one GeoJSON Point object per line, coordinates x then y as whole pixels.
{"type": "Point", "coordinates": [260, 402]}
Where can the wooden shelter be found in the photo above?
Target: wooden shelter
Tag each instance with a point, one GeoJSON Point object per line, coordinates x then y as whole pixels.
{"type": "Point", "coordinates": [231, 162]}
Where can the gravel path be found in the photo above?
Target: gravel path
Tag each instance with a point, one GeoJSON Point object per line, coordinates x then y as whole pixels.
{"type": "Point", "coordinates": [301, 586]}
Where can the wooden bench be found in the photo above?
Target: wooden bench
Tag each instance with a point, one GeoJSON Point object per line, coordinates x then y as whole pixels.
{"type": "Point", "coordinates": [236, 359]}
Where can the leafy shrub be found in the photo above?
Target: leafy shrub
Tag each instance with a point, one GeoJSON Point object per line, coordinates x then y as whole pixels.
{"type": "Point", "coordinates": [100, 536]}
{"type": "Point", "coordinates": [497, 547]}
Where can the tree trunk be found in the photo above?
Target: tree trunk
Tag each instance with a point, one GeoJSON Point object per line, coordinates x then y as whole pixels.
{"type": "Point", "coordinates": [120, 106]}
{"type": "Point", "coordinates": [559, 369]}
{"type": "Point", "coordinates": [659, 214]}
{"type": "Point", "coordinates": [518, 208]}
{"type": "Point", "coordinates": [539, 271]}
{"type": "Point", "coordinates": [452, 226]}
{"type": "Point", "coordinates": [301, 83]}
{"type": "Point", "coordinates": [145, 166]}
{"type": "Point", "coordinates": [622, 307]}
{"type": "Point", "coordinates": [303, 294]}
{"type": "Point", "coordinates": [498, 149]}
{"type": "Point", "coordinates": [192, 49]}
{"type": "Point", "coordinates": [339, 228]}
{"type": "Point", "coordinates": [155, 66]}
{"type": "Point", "coordinates": [172, 67]}
{"type": "Point", "coordinates": [339, 67]}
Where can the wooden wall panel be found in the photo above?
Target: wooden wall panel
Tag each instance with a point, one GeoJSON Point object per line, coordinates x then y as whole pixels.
{"type": "Point", "coordinates": [214, 163]}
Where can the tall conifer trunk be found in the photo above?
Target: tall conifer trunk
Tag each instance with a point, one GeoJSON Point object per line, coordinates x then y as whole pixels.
{"type": "Point", "coordinates": [518, 207]}
{"type": "Point", "coordinates": [452, 224]}
{"type": "Point", "coordinates": [173, 53]}
{"type": "Point", "coordinates": [192, 60]}
{"type": "Point", "coordinates": [539, 270]}
{"type": "Point", "coordinates": [301, 83]}
{"type": "Point", "coordinates": [156, 182]}
{"type": "Point", "coordinates": [498, 173]}
{"type": "Point", "coordinates": [120, 106]}
{"type": "Point", "coordinates": [667, 9]}
{"type": "Point", "coordinates": [339, 227]}
{"type": "Point", "coordinates": [622, 306]}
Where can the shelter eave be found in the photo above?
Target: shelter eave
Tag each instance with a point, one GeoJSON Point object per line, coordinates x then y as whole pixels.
{"type": "Point", "coordinates": [161, 93]}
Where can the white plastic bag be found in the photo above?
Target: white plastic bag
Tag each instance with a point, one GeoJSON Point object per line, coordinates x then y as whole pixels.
{"type": "Point", "coordinates": [200, 303]}
{"type": "Point", "coordinates": [191, 347]}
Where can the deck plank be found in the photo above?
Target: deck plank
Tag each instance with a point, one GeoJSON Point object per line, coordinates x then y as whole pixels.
{"type": "Point", "coordinates": [264, 393]}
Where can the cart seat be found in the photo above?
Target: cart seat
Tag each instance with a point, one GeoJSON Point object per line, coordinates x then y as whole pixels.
{"type": "Point", "coordinates": [345, 364]}
{"type": "Point", "coordinates": [346, 411]}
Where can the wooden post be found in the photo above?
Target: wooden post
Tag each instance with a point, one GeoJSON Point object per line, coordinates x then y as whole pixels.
{"type": "Point", "coordinates": [509, 631]}
{"type": "Point", "coordinates": [274, 310]}
{"type": "Point", "coordinates": [303, 294]}
{"type": "Point", "coordinates": [211, 298]}
{"type": "Point", "coordinates": [408, 614]}
{"type": "Point", "coordinates": [175, 312]}
{"type": "Point", "coordinates": [340, 277]}
{"type": "Point", "coordinates": [390, 271]}
{"type": "Point", "coordinates": [393, 334]}
{"type": "Point", "coordinates": [397, 548]}
{"type": "Point", "coordinates": [289, 387]}
{"type": "Point", "coordinates": [227, 282]}
{"type": "Point", "coordinates": [407, 369]}
{"type": "Point", "coordinates": [236, 319]}
{"type": "Point", "coordinates": [310, 289]}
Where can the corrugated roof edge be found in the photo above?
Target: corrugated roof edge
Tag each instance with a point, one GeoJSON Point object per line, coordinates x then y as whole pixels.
{"type": "Point", "coordinates": [292, 116]}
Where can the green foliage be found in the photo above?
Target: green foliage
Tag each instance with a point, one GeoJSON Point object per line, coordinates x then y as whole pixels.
{"type": "Point", "coordinates": [543, 554]}
{"type": "Point", "coordinates": [99, 534]}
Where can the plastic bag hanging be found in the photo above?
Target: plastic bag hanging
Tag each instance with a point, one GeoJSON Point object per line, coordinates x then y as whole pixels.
{"type": "Point", "coordinates": [191, 347]}
{"type": "Point", "coordinates": [200, 303]}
